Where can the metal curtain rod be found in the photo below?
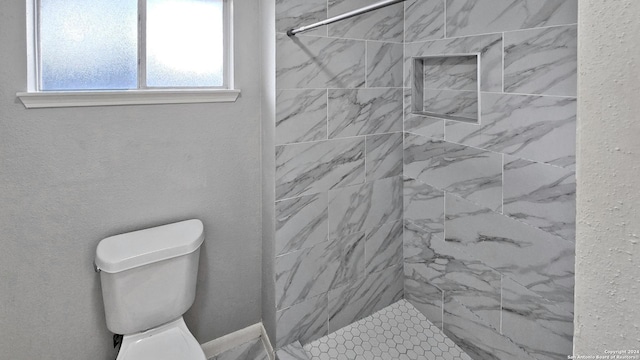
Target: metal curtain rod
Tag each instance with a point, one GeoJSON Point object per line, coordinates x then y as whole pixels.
{"type": "Point", "coordinates": [366, 9]}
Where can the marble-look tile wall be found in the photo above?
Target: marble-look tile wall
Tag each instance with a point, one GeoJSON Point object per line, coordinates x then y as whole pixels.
{"type": "Point", "coordinates": [339, 149]}
{"type": "Point", "coordinates": [489, 208]}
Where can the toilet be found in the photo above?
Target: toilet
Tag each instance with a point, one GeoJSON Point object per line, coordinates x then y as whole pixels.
{"type": "Point", "coordinates": [148, 282]}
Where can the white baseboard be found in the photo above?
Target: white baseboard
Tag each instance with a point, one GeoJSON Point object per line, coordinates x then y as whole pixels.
{"type": "Point", "coordinates": [218, 346]}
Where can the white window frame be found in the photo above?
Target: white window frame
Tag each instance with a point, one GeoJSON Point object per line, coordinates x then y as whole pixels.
{"type": "Point", "coordinates": [35, 98]}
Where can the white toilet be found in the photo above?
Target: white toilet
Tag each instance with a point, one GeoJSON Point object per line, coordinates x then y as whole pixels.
{"type": "Point", "coordinates": [148, 282]}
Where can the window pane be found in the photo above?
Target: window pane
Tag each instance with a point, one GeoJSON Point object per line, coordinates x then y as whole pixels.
{"type": "Point", "coordinates": [185, 43]}
{"type": "Point", "coordinates": [88, 44]}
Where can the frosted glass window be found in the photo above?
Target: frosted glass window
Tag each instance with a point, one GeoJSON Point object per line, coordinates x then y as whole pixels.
{"type": "Point", "coordinates": [185, 43]}
{"type": "Point", "coordinates": [88, 44]}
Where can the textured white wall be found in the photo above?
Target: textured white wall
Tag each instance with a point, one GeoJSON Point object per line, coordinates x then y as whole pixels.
{"type": "Point", "coordinates": [608, 241]}
{"type": "Point", "coordinates": [70, 177]}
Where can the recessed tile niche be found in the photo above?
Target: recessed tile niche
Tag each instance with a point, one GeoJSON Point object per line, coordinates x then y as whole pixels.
{"type": "Point", "coordinates": [447, 87]}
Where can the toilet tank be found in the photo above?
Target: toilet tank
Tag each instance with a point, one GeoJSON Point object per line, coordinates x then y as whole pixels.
{"type": "Point", "coordinates": [149, 276]}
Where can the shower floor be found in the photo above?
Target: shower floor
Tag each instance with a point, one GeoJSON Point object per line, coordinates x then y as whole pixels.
{"type": "Point", "coordinates": [398, 331]}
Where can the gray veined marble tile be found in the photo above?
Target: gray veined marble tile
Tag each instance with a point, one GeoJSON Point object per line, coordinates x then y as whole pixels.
{"type": "Point", "coordinates": [468, 17]}
{"type": "Point", "coordinates": [421, 294]}
{"type": "Point", "coordinates": [301, 115]}
{"type": "Point", "coordinates": [301, 222]}
{"type": "Point", "coordinates": [488, 46]}
{"type": "Point", "coordinates": [470, 173]}
{"type": "Point", "coordinates": [537, 325]}
{"type": "Point", "coordinates": [541, 195]}
{"type": "Point", "coordinates": [463, 104]}
{"type": "Point", "coordinates": [295, 13]}
{"type": "Point", "coordinates": [383, 24]}
{"type": "Point", "coordinates": [252, 350]}
{"type": "Point", "coordinates": [361, 299]}
{"type": "Point", "coordinates": [383, 247]}
{"type": "Point", "coordinates": [476, 338]}
{"type": "Point", "coordinates": [364, 207]}
{"type": "Point", "coordinates": [539, 128]}
{"type": "Point", "coordinates": [424, 206]}
{"type": "Point", "coordinates": [424, 20]}
{"type": "Point", "coordinates": [421, 125]}
{"type": "Point", "coordinates": [302, 322]}
{"type": "Point", "coordinates": [309, 168]}
{"type": "Point", "coordinates": [465, 133]}
{"type": "Point", "coordinates": [364, 111]}
{"type": "Point", "coordinates": [433, 261]}
{"type": "Point", "coordinates": [306, 273]}
{"type": "Point", "coordinates": [293, 351]}
{"type": "Point", "coordinates": [319, 62]}
{"type": "Point", "coordinates": [451, 73]}
{"type": "Point", "coordinates": [539, 261]}
{"type": "Point", "coordinates": [384, 64]}
{"type": "Point", "coordinates": [541, 61]}
{"type": "Point", "coordinates": [384, 156]}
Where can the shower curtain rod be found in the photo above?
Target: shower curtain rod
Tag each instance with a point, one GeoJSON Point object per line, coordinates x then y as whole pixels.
{"type": "Point", "coordinates": [366, 9]}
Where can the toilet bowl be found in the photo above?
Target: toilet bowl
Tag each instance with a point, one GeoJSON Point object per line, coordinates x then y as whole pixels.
{"type": "Point", "coordinates": [148, 282]}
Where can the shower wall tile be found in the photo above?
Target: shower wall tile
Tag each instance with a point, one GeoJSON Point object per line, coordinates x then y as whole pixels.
{"type": "Point", "coordinates": [424, 206]}
{"type": "Point", "coordinates": [301, 222]}
{"type": "Point", "coordinates": [541, 195]}
{"type": "Point", "coordinates": [451, 102]}
{"type": "Point", "coordinates": [421, 294]}
{"type": "Point", "coordinates": [384, 156]}
{"type": "Point", "coordinates": [364, 207]}
{"type": "Point", "coordinates": [301, 115]}
{"type": "Point", "coordinates": [384, 64]}
{"type": "Point", "coordinates": [468, 17]}
{"type": "Point", "coordinates": [541, 61]}
{"type": "Point", "coordinates": [306, 273]}
{"type": "Point", "coordinates": [488, 46]}
{"type": "Point", "coordinates": [538, 128]}
{"type": "Point", "coordinates": [355, 112]}
{"type": "Point", "coordinates": [303, 169]}
{"type": "Point", "coordinates": [419, 124]}
{"type": "Point", "coordinates": [451, 73]}
{"type": "Point", "coordinates": [471, 173]}
{"type": "Point", "coordinates": [541, 262]}
{"type": "Point", "coordinates": [383, 247]}
{"type": "Point", "coordinates": [295, 13]}
{"type": "Point", "coordinates": [475, 337]}
{"type": "Point", "coordinates": [535, 324]}
{"type": "Point", "coordinates": [424, 20]}
{"type": "Point", "coordinates": [368, 295]}
{"type": "Point", "coordinates": [382, 24]}
{"type": "Point", "coordinates": [319, 62]}
{"type": "Point", "coordinates": [465, 133]}
{"type": "Point", "coordinates": [437, 263]}
{"type": "Point", "coordinates": [302, 322]}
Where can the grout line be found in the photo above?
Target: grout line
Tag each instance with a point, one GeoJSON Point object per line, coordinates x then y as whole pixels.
{"type": "Point", "coordinates": [327, 120]}
{"type": "Point", "coordinates": [338, 38]}
{"type": "Point", "coordinates": [345, 88]}
{"type": "Point", "coordinates": [445, 18]}
{"type": "Point", "coordinates": [366, 65]}
{"type": "Point", "coordinates": [502, 187]}
{"type": "Point", "coordinates": [503, 63]}
{"type": "Point", "coordinates": [492, 33]}
{"type": "Point", "coordinates": [339, 138]}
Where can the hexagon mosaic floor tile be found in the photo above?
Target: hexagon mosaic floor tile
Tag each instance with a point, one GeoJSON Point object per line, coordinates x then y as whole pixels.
{"type": "Point", "coordinates": [398, 331]}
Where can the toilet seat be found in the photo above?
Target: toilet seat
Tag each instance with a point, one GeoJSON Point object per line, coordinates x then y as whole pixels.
{"type": "Point", "coordinates": [171, 341]}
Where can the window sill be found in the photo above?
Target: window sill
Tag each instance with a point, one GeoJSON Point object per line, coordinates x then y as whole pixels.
{"type": "Point", "coordinates": [60, 99]}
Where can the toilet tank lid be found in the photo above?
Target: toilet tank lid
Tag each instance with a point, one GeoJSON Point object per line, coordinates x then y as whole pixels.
{"type": "Point", "coordinates": [126, 251]}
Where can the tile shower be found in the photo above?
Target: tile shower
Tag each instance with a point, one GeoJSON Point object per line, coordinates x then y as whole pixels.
{"type": "Point", "coordinates": [472, 222]}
